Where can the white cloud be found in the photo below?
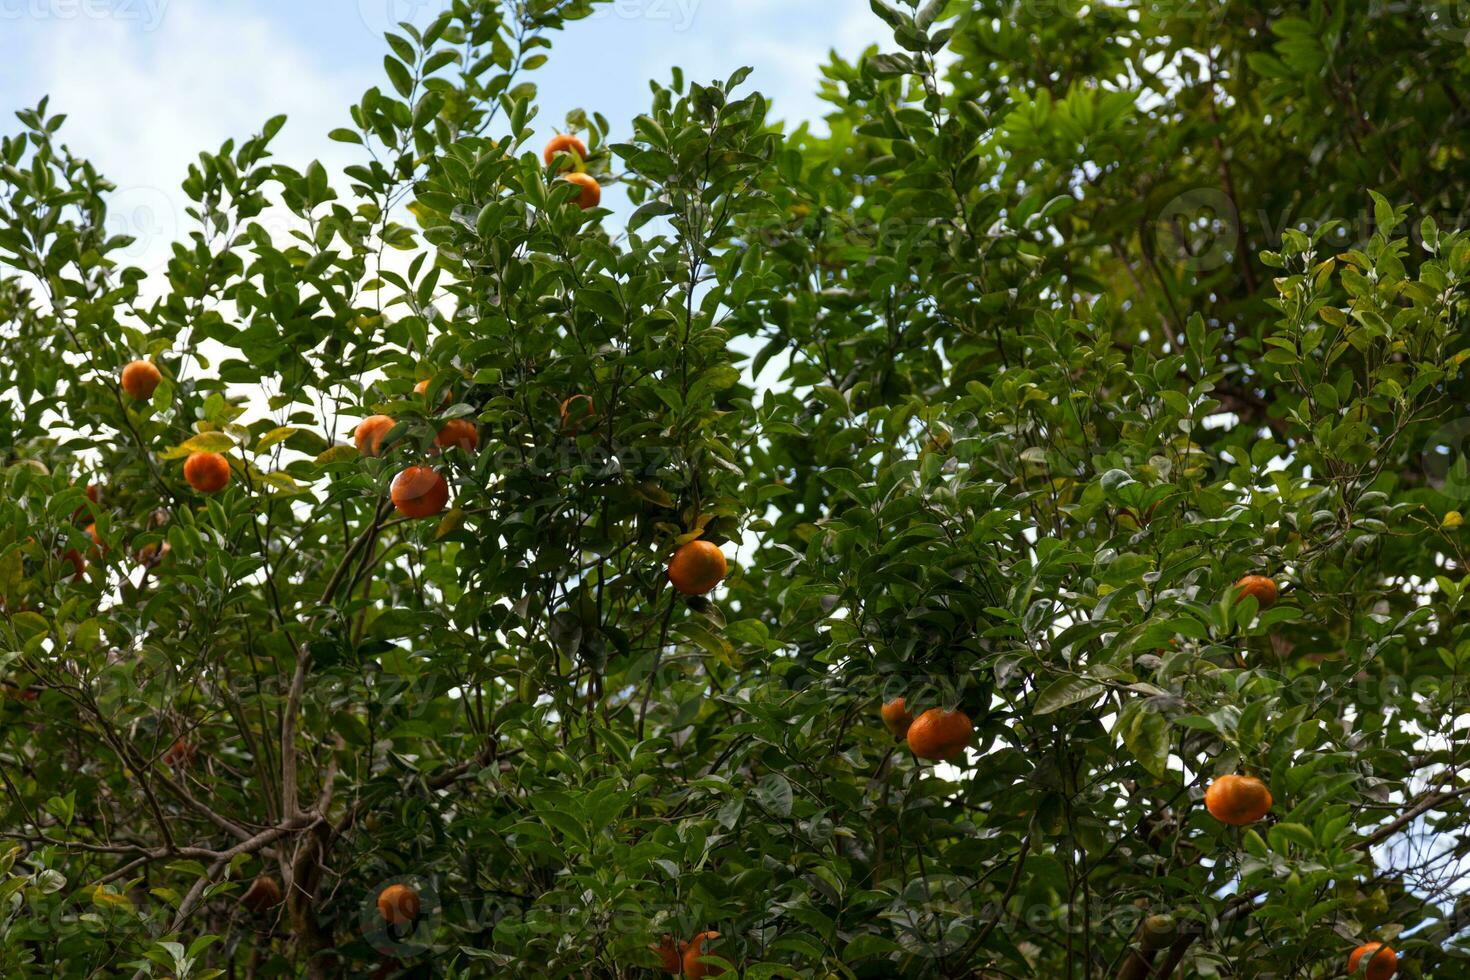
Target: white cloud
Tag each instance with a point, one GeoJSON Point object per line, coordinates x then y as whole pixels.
{"type": "Point", "coordinates": [143, 104]}
{"type": "Point", "coordinates": [786, 51]}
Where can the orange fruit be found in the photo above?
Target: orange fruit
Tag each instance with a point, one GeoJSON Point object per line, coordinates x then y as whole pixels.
{"type": "Point", "coordinates": [398, 905]}
{"type": "Point", "coordinates": [207, 472]}
{"type": "Point", "coordinates": [420, 491]}
{"type": "Point", "coordinates": [697, 567]}
{"type": "Point", "coordinates": [140, 379]}
{"type": "Point", "coordinates": [96, 551]}
{"type": "Point", "coordinates": [577, 410]}
{"type": "Point", "coordinates": [694, 952]}
{"type": "Point", "coordinates": [1237, 800]}
{"type": "Point", "coordinates": [458, 432]}
{"type": "Point", "coordinates": [938, 734]}
{"type": "Point", "coordinates": [370, 432]}
{"type": "Point", "coordinates": [181, 753]}
{"type": "Point", "coordinates": [264, 893]}
{"type": "Point", "coordinates": [422, 388]}
{"type": "Point", "coordinates": [94, 494]}
{"type": "Point", "coordinates": [670, 954]}
{"type": "Point", "coordinates": [1383, 962]}
{"type": "Point", "coordinates": [78, 563]}
{"type": "Point", "coordinates": [591, 195]}
{"type": "Point", "coordinates": [1263, 588]}
{"type": "Point", "coordinates": [564, 143]}
{"type": "Point", "coordinates": [896, 717]}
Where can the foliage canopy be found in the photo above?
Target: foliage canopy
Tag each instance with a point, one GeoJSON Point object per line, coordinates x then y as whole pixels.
{"type": "Point", "coordinates": [1074, 316]}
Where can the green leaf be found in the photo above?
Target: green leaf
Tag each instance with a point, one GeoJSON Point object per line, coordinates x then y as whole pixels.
{"type": "Point", "coordinates": [276, 435]}
{"type": "Point", "coordinates": [1066, 691]}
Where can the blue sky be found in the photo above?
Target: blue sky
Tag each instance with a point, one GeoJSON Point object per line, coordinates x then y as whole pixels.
{"type": "Point", "coordinates": [148, 83]}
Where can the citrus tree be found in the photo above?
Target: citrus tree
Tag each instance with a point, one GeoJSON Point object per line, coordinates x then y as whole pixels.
{"type": "Point", "coordinates": [1014, 532]}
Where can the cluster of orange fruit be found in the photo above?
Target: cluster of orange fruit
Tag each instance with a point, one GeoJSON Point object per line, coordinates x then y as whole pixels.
{"type": "Point", "coordinates": [1237, 800]}
{"type": "Point", "coordinates": [425, 492]}
{"type": "Point", "coordinates": [418, 491]}
{"type": "Point", "coordinates": [205, 472]}
{"type": "Point", "coordinates": [74, 557]}
{"type": "Point", "coordinates": [566, 153]}
{"type": "Point", "coordinates": [936, 735]}
{"type": "Point", "coordinates": [147, 555]}
{"type": "Point", "coordinates": [422, 491]}
{"type": "Point", "coordinates": [687, 959]}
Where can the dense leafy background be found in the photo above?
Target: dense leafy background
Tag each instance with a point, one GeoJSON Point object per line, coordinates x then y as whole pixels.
{"type": "Point", "coordinates": [1077, 314]}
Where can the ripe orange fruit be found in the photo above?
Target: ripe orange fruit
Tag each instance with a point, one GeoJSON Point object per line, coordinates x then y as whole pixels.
{"type": "Point", "coordinates": [896, 717]}
{"type": "Point", "coordinates": [370, 432]}
{"type": "Point", "coordinates": [420, 491]}
{"type": "Point", "coordinates": [78, 563]}
{"type": "Point", "coordinates": [96, 551]}
{"type": "Point", "coordinates": [140, 379]}
{"type": "Point", "coordinates": [1383, 962]}
{"type": "Point", "coordinates": [938, 734]}
{"type": "Point", "coordinates": [564, 143]}
{"type": "Point", "coordinates": [1237, 800]}
{"type": "Point", "coordinates": [422, 388]}
{"type": "Point", "coordinates": [591, 195]}
{"type": "Point", "coordinates": [697, 567]}
{"type": "Point", "coordinates": [398, 905]}
{"type": "Point", "coordinates": [264, 893]}
{"type": "Point", "coordinates": [207, 472]}
{"type": "Point", "coordinates": [181, 753]}
{"type": "Point", "coordinates": [670, 954]}
{"type": "Point", "coordinates": [694, 952]}
{"type": "Point", "coordinates": [577, 410]}
{"type": "Point", "coordinates": [1263, 588]}
{"type": "Point", "coordinates": [94, 494]}
{"type": "Point", "coordinates": [458, 432]}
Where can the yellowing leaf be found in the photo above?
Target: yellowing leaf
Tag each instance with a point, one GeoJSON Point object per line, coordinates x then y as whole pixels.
{"type": "Point", "coordinates": [281, 482]}
{"type": "Point", "coordinates": [280, 434]}
{"type": "Point", "coordinates": [449, 524]}
{"type": "Point", "coordinates": [337, 454]}
{"type": "Point", "coordinates": [204, 442]}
